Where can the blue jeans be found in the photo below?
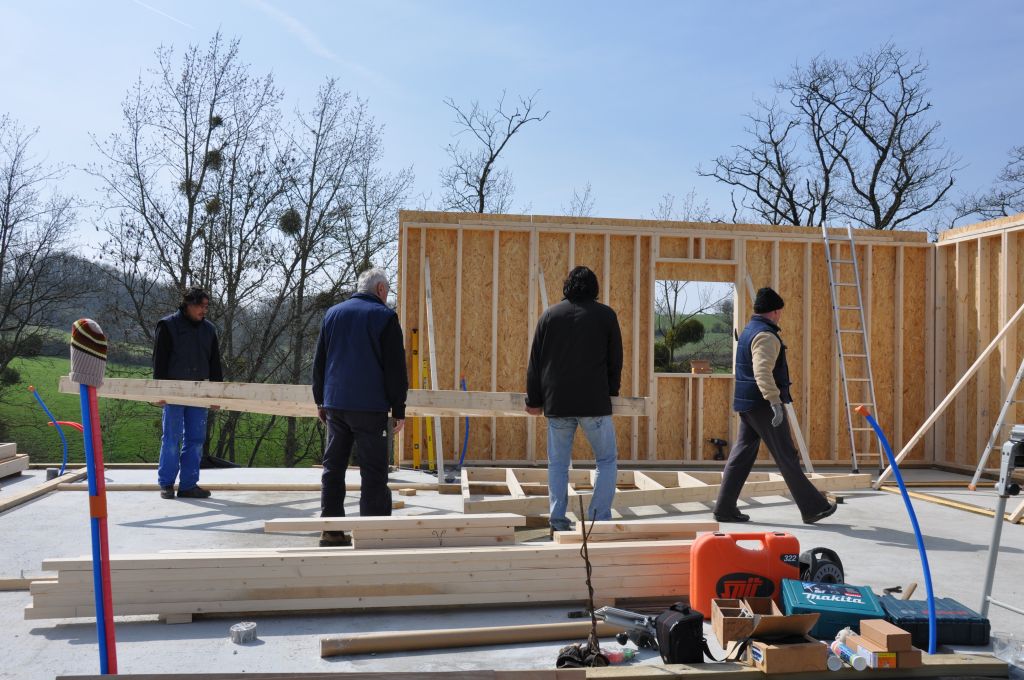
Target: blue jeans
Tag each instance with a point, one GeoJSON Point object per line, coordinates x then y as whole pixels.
{"type": "Point", "coordinates": [181, 446]}
{"type": "Point", "coordinates": [600, 433]}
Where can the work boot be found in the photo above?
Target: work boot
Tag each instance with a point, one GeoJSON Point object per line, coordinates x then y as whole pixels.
{"type": "Point", "coordinates": [167, 491]}
{"type": "Point", "coordinates": [194, 492]}
{"type": "Point", "coordinates": [830, 510]}
{"type": "Point", "coordinates": [734, 516]}
{"type": "Point", "coordinates": [335, 539]}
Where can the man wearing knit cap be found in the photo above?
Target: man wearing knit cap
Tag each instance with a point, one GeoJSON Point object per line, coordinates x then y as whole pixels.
{"type": "Point", "coordinates": [185, 349]}
{"type": "Point", "coordinates": [762, 387]}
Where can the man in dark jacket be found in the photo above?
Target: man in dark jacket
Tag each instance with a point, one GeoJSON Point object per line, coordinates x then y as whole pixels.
{"type": "Point", "coordinates": [575, 368]}
{"type": "Point", "coordinates": [762, 387]}
{"type": "Point", "coordinates": [185, 348]}
{"type": "Point", "coordinates": [358, 376]}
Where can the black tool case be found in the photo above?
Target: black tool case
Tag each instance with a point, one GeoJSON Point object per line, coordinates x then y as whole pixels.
{"type": "Point", "coordinates": [957, 624]}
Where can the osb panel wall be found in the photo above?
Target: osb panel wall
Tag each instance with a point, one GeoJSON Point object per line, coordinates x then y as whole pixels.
{"type": "Point", "coordinates": [492, 275]}
{"type": "Point", "coordinates": [978, 279]}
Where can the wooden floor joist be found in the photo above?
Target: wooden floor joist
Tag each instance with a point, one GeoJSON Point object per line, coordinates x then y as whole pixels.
{"type": "Point", "coordinates": [14, 465]}
{"type": "Point", "coordinates": [297, 400]}
{"type": "Point", "coordinates": [636, 488]}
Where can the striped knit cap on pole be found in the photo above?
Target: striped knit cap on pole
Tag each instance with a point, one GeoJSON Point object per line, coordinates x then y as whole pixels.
{"type": "Point", "coordinates": [88, 353]}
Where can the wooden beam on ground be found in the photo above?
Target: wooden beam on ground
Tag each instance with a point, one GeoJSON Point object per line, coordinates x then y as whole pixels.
{"type": "Point", "coordinates": [297, 400]}
{"type": "Point", "coordinates": [450, 638]}
{"type": "Point", "coordinates": [46, 487]}
{"type": "Point", "coordinates": [502, 519]}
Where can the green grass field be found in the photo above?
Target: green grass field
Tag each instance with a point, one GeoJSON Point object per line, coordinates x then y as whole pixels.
{"type": "Point", "coordinates": [131, 430]}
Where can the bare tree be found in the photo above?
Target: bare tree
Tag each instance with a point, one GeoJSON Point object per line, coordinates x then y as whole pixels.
{"type": "Point", "coordinates": [160, 172]}
{"type": "Point", "coordinates": [474, 182]}
{"type": "Point", "coordinates": [1006, 197]}
{"type": "Point", "coordinates": [38, 276]}
{"type": "Point", "coordinates": [340, 221]}
{"type": "Point", "coordinates": [855, 144]}
{"type": "Point", "coordinates": [581, 204]}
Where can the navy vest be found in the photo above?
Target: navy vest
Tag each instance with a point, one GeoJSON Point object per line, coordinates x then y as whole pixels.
{"type": "Point", "coordinates": [354, 367]}
{"type": "Point", "coordinates": [192, 347]}
{"type": "Point", "coordinates": [747, 395]}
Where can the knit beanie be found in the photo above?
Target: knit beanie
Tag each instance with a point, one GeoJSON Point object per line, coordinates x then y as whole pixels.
{"type": "Point", "coordinates": [767, 300]}
{"type": "Point", "coordinates": [88, 353]}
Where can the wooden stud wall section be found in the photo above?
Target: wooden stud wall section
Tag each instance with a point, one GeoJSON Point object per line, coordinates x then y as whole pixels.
{"type": "Point", "coordinates": [977, 279]}
{"type": "Point", "coordinates": [486, 286]}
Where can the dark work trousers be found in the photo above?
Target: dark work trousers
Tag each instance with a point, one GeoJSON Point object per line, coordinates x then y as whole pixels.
{"type": "Point", "coordinates": [755, 426]}
{"type": "Point", "coordinates": [368, 430]}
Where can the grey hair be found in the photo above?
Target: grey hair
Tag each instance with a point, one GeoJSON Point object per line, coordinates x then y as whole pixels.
{"type": "Point", "coordinates": [369, 279]}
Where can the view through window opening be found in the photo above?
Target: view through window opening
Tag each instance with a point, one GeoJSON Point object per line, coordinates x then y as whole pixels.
{"type": "Point", "coordinates": [693, 327]}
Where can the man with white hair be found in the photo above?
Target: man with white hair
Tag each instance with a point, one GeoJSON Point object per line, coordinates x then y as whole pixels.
{"type": "Point", "coordinates": [358, 377]}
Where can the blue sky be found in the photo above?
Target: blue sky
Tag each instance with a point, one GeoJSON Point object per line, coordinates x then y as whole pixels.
{"type": "Point", "coordinates": [640, 93]}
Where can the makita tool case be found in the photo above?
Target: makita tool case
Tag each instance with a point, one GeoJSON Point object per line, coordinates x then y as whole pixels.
{"type": "Point", "coordinates": [957, 624]}
{"type": "Point", "coordinates": [839, 604]}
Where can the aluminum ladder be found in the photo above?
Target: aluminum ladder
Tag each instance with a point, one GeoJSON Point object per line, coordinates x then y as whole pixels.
{"type": "Point", "coordinates": [1011, 399]}
{"type": "Point", "coordinates": [854, 366]}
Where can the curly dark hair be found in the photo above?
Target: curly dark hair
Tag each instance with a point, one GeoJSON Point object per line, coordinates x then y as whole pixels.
{"type": "Point", "coordinates": [194, 296]}
{"type": "Point", "coordinates": [581, 284]}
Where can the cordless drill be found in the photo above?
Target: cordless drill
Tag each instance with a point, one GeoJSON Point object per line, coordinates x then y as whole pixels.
{"type": "Point", "coordinates": [719, 445]}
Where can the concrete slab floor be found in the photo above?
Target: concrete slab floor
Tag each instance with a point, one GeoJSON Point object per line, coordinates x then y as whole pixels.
{"type": "Point", "coordinates": [871, 533]}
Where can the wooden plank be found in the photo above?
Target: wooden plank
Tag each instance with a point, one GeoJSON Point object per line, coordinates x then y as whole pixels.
{"type": "Point", "coordinates": [435, 369]}
{"type": "Point", "coordinates": [420, 402]}
{"type": "Point", "coordinates": [14, 501]}
{"type": "Point", "coordinates": [495, 283]}
{"type": "Point", "coordinates": [409, 640]}
{"type": "Point", "coordinates": [452, 489]}
{"type": "Point", "coordinates": [515, 489]}
{"type": "Point", "coordinates": [501, 519]}
{"type": "Point", "coordinates": [8, 450]}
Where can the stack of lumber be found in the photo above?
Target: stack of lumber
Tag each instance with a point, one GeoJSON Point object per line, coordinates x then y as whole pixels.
{"type": "Point", "coordinates": [11, 462]}
{"type": "Point", "coordinates": [412, 531]}
{"type": "Point", "coordinates": [181, 584]}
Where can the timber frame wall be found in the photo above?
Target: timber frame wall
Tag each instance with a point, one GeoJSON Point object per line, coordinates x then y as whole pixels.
{"type": "Point", "coordinates": [979, 273]}
{"type": "Point", "coordinates": [487, 272]}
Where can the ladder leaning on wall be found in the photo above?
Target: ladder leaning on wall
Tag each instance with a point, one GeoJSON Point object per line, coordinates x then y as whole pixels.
{"type": "Point", "coordinates": [852, 344]}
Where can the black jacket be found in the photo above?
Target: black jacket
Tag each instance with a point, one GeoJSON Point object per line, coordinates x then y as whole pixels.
{"type": "Point", "coordinates": [186, 350]}
{"type": "Point", "coordinates": [576, 360]}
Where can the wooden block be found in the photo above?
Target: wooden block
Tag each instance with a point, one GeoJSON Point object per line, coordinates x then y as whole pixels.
{"type": "Point", "coordinates": [877, 655]}
{"type": "Point", "coordinates": [407, 492]}
{"type": "Point", "coordinates": [909, 659]}
{"type": "Point", "coordinates": [175, 618]}
{"type": "Point", "coordinates": [397, 505]}
{"type": "Point", "coordinates": [14, 465]}
{"type": "Point", "coordinates": [890, 637]}
{"type": "Point", "coordinates": [7, 450]}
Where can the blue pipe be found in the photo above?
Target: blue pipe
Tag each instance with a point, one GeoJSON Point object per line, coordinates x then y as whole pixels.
{"type": "Point", "coordinates": [60, 430]}
{"type": "Point", "coordinates": [465, 435]}
{"type": "Point", "coordinates": [932, 626]}
{"type": "Point", "coordinates": [97, 574]}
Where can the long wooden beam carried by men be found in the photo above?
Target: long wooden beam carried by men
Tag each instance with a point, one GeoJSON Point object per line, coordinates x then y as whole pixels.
{"type": "Point", "coordinates": [297, 400]}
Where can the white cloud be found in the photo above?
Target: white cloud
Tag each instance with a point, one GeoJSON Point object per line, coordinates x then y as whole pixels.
{"type": "Point", "coordinates": [163, 14]}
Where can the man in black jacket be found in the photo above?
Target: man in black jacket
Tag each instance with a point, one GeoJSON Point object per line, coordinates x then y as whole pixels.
{"type": "Point", "coordinates": [575, 368]}
{"type": "Point", "coordinates": [185, 348]}
{"type": "Point", "coordinates": [358, 376]}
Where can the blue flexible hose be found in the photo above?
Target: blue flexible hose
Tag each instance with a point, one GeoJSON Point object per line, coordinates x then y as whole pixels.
{"type": "Point", "coordinates": [932, 626]}
{"type": "Point", "coordinates": [465, 435]}
{"type": "Point", "coordinates": [60, 430]}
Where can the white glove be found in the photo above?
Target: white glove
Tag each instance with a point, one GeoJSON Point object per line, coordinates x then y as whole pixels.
{"type": "Point", "coordinates": [778, 415]}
